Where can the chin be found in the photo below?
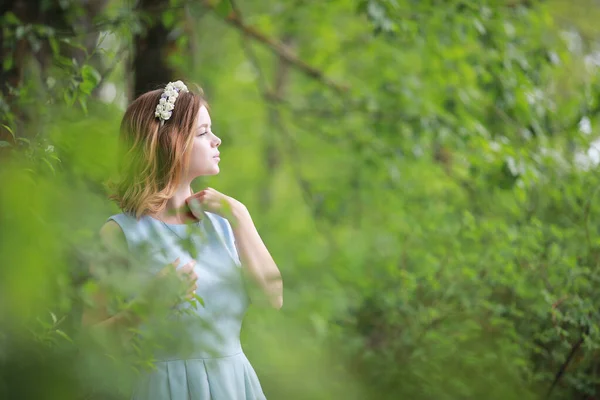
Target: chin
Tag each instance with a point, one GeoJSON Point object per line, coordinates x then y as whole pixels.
{"type": "Point", "coordinates": [207, 172]}
{"type": "Point", "coordinates": [212, 172]}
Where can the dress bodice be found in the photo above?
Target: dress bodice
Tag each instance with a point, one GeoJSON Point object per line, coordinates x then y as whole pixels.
{"type": "Point", "coordinates": [213, 328]}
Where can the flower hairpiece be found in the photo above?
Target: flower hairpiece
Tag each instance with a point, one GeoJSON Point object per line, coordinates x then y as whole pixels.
{"type": "Point", "coordinates": [166, 104]}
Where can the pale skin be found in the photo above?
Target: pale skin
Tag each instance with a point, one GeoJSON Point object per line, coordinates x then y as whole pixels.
{"type": "Point", "coordinates": [186, 207]}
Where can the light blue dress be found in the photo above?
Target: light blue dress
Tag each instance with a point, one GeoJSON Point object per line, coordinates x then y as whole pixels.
{"type": "Point", "coordinates": [214, 365]}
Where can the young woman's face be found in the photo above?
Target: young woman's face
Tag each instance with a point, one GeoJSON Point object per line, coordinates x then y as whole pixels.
{"type": "Point", "coordinates": [204, 159]}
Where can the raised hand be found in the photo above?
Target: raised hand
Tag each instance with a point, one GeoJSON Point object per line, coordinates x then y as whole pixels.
{"type": "Point", "coordinates": [213, 201]}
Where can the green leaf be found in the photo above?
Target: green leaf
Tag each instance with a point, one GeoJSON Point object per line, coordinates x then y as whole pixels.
{"type": "Point", "coordinates": [9, 131]}
{"type": "Point", "coordinates": [69, 98]}
{"type": "Point", "coordinates": [83, 105]}
{"type": "Point", "coordinates": [64, 335]}
{"type": "Point", "coordinates": [44, 324]}
{"type": "Point", "coordinates": [54, 45]}
{"type": "Point", "coordinates": [63, 61]}
{"type": "Point", "coordinates": [7, 63]}
{"type": "Point", "coordinates": [11, 18]}
{"type": "Point", "coordinates": [168, 18]}
{"type": "Point", "coordinates": [362, 6]}
{"type": "Point", "coordinates": [224, 8]}
{"type": "Point", "coordinates": [49, 164]}
{"type": "Point", "coordinates": [90, 79]}
{"type": "Point", "coordinates": [199, 299]}
{"type": "Point", "coordinates": [72, 43]}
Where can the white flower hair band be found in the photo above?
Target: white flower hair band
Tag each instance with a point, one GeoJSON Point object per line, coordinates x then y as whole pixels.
{"type": "Point", "coordinates": [164, 108]}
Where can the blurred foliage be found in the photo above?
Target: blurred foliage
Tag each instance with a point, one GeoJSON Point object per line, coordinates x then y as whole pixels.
{"type": "Point", "coordinates": [424, 172]}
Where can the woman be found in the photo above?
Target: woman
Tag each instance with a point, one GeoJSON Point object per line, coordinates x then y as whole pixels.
{"type": "Point", "coordinates": [169, 142]}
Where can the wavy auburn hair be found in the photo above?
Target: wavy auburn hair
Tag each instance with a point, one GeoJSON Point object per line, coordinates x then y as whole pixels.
{"type": "Point", "coordinates": [154, 158]}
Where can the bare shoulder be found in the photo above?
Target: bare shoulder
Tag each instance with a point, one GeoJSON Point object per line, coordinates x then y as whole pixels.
{"type": "Point", "coordinates": [112, 236]}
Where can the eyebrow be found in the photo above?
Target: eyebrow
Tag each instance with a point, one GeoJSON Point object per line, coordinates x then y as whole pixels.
{"type": "Point", "coordinates": [203, 125]}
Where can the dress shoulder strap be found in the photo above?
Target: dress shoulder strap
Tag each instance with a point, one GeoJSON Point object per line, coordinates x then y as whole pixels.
{"type": "Point", "coordinates": [225, 234]}
{"type": "Point", "coordinates": [136, 231]}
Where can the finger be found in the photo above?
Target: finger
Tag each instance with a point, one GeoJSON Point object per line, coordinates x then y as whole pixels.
{"type": "Point", "coordinates": [195, 197]}
{"type": "Point", "coordinates": [188, 268]}
{"type": "Point", "coordinates": [185, 268]}
{"type": "Point", "coordinates": [191, 291]}
{"type": "Point", "coordinates": [191, 281]}
{"type": "Point", "coordinates": [195, 204]}
{"type": "Point", "coordinates": [186, 272]}
{"type": "Point", "coordinates": [169, 268]}
{"type": "Point", "coordinates": [190, 201]}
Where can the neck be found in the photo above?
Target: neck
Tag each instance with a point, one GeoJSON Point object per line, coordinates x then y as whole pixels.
{"type": "Point", "coordinates": [176, 210]}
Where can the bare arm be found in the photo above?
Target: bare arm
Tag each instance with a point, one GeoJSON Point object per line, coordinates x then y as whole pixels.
{"type": "Point", "coordinates": [256, 261]}
{"type": "Point", "coordinates": [255, 256]}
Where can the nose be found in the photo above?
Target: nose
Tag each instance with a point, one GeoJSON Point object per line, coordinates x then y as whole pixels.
{"type": "Point", "coordinates": [216, 141]}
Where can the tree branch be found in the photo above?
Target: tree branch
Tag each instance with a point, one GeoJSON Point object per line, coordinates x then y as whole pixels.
{"type": "Point", "coordinates": [280, 50]}
{"type": "Point", "coordinates": [564, 366]}
{"type": "Point", "coordinates": [274, 99]}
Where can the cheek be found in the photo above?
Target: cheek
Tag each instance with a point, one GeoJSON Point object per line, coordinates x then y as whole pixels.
{"type": "Point", "coordinates": [199, 153]}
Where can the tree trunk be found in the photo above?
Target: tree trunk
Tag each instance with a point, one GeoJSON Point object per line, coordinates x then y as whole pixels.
{"type": "Point", "coordinates": [151, 48]}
